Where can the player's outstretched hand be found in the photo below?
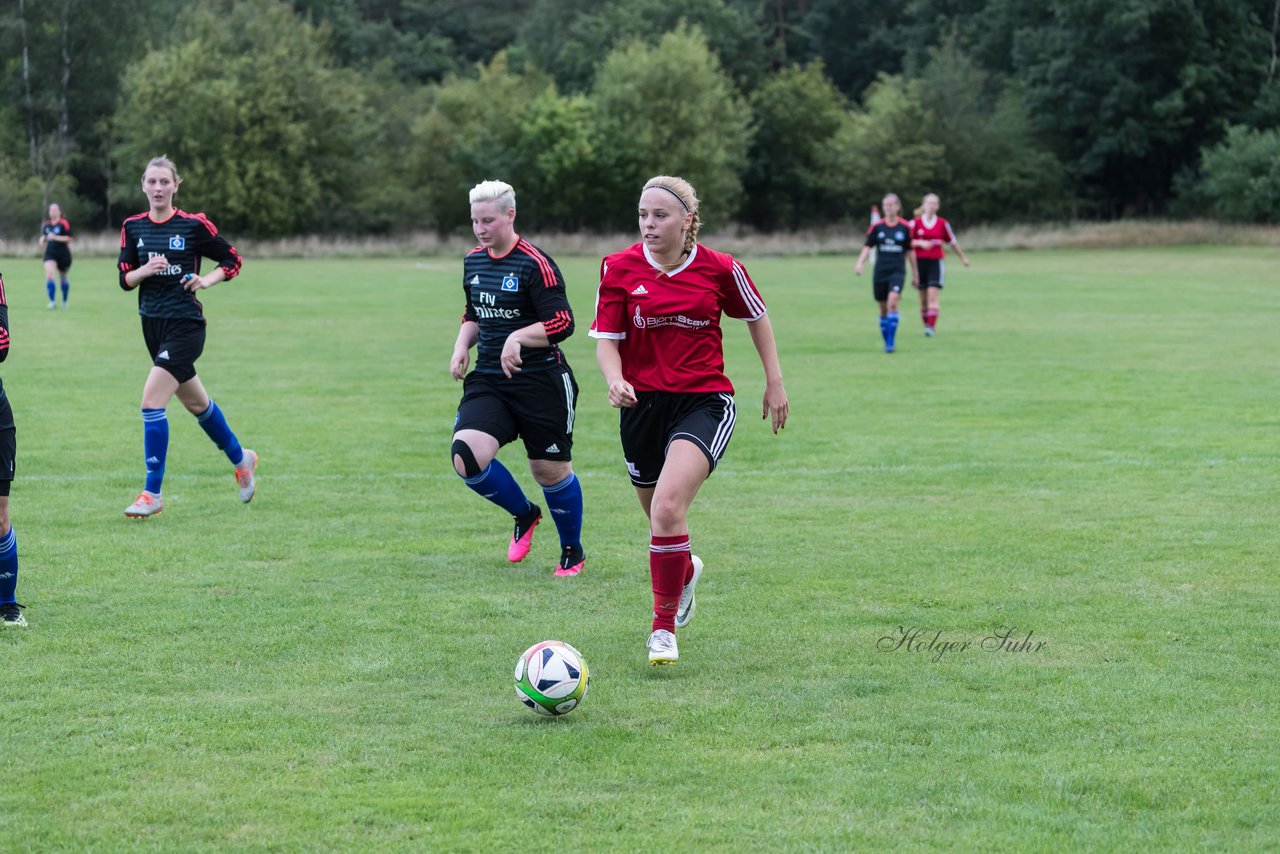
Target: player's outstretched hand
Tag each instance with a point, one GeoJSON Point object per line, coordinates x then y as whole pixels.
{"type": "Point", "coordinates": [510, 358]}
{"type": "Point", "coordinates": [621, 395]}
{"type": "Point", "coordinates": [776, 405]}
{"type": "Point", "coordinates": [458, 364]}
{"type": "Point", "coordinates": [857, 269]}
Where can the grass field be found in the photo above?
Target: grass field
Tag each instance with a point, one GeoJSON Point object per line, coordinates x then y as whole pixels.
{"type": "Point", "coordinates": [1087, 452]}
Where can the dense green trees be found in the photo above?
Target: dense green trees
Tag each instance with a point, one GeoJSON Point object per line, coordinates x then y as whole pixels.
{"type": "Point", "coordinates": [1240, 177]}
{"type": "Point", "coordinates": [377, 115]}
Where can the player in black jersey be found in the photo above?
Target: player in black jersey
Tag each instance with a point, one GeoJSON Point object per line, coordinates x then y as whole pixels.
{"type": "Point", "coordinates": [891, 238]}
{"type": "Point", "coordinates": [55, 237]}
{"type": "Point", "coordinates": [10, 610]}
{"type": "Point", "coordinates": [516, 314]}
{"type": "Point", "coordinates": [160, 254]}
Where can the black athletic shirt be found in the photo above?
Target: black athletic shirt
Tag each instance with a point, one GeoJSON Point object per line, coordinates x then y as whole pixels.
{"type": "Point", "coordinates": [182, 238]}
{"type": "Point", "coordinates": [55, 250]}
{"type": "Point", "coordinates": [517, 290]}
{"type": "Point", "coordinates": [891, 242]}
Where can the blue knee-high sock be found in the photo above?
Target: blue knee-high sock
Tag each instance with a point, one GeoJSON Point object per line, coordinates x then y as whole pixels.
{"type": "Point", "coordinates": [884, 329]}
{"type": "Point", "coordinates": [51, 288]}
{"type": "Point", "coordinates": [155, 445]}
{"type": "Point", "coordinates": [8, 567]}
{"type": "Point", "coordinates": [66, 288]}
{"type": "Point", "coordinates": [496, 484]}
{"type": "Point", "coordinates": [565, 502]}
{"type": "Point", "coordinates": [216, 426]}
{"type": "Point", "coordinates": [891, 327]}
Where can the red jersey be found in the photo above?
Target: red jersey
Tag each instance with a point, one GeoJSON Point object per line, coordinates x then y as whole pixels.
{"type": "Point", "coordinates": [668, 324]}
{"type": "Point", "coordinates": [939, 229]}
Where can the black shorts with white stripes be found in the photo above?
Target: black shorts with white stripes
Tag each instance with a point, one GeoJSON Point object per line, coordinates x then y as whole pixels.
{"type": "Point", "coordinates": [536, 406]}
{"type": "Point", "coordinates": [661, 417]}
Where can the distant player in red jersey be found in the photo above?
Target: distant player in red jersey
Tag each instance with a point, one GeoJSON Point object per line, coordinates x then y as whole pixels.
{"type": "Point", "coordinates": [516, 313]}
{"type": "Point", "coordinates": [660, 349]}
{"type": "Point", "coordinates": [930, 235]}
{"type": "Point", "coordinates": [56, 237]}
{"type": "Point", "coordinates": [160, 253]}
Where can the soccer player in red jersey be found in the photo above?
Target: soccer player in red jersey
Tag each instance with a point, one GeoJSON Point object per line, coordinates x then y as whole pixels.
{"type": "Point", "coordinates": [516, 315]}
{"type": "Point", "coordinates": [56, 237]}
{"type": "Point", "coordinates": [660, 349]}
{"type": "Point", "coordinates": [160, 253]}
{"type": "Point", "coordinates": [930, 234]}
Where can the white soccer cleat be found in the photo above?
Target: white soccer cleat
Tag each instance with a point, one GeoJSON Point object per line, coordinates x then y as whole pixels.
{"type": "Point", "coordinates": [244, 475]}
{"type": "Point", "coordinates": [662, 648]}
{"type": "Point", "coordinates": [145, 505]}
{"type": "Point", "coordinates": [684, 614]}
{"type": "Point", "coordinates": [11, 616]}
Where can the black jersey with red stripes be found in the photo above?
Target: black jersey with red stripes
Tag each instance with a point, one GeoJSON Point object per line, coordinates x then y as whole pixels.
{"type": "Point", "coordinates": [510, 292]}
{"type": "Point", "coordinates": [4, 327]}
{"type": "Point", "coordinates": [183, 239]}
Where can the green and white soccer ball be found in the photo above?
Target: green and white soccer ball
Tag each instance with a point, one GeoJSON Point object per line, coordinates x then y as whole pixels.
{"type": "Point", "coordinates": [551, 678]}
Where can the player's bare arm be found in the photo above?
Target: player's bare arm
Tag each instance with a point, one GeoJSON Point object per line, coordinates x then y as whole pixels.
{"type": "Point", "coordinates": [862, 259]}
{"type": "Point", "coordinates": [776, 406]}
{"type": "Point", "coordinates": [621, 394]}
{"type": "Point", "coordinates": [468, 335]}
{"type": "Point", "coordinates": [533, 335]}
{"type": "Point", "coordinates": [193, 282]}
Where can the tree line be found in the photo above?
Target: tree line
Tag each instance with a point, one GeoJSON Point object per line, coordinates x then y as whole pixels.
{"type": "Point", "coordinates": [375, 116]}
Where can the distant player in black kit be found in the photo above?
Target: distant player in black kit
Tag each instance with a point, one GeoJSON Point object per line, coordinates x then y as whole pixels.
{"type": "Point", "coordinates": [160, 254]}
{"type": "Point", "coordinates": [891, 238]}
{"type": "Point", "coordinates": [516, 314]}
{"type": "Point", "coordinates": [56, 237]}
{"type": "Point", "coordinates": [10, 610]}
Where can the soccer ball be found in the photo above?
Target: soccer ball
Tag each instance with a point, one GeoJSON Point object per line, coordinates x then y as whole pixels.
{"type": "Point", "coordinates": [551, 678]}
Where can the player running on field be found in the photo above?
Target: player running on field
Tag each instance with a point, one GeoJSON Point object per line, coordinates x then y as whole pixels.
{"type": "Point", "coordinates": [891, 238]}
{"type": "Point", "coordinates": [930, 234]}
{"type": "Point", "coordinates": [10, 610]}
{"type": "Point", "coordinates": [160, 254]}
{"type": "Point", "coordinates": [661, 352]}
{"type": "Point", "coordinates": [516, 315]}
{"type": "Point", "coordinates": [55, 237]}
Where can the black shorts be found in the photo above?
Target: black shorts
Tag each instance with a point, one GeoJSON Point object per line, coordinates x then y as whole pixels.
{"type": "Point", "coordinates": [536, 406]}
{"type": "Point", "coordinates": [661, 417]}
{"type": "Point", "coordinates": [62, 258]}
{"type": "Point", "coordinates": [931, 272]}
{"type": "Point", "coordinates": [174, 344]}
{"type": "Point", "coordinates": [8, 444]}
{"type": "Point", "coordinates": [883, 283]}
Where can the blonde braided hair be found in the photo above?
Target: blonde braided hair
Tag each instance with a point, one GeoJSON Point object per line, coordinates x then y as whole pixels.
{"type": "Point", "coordinates": [688, 198]}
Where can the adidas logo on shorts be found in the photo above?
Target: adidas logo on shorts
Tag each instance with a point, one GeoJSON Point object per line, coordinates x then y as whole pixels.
{"type": "Point", "coordinates": [164, 354]}
{"type": "Point", "coordinates": [553, 449]}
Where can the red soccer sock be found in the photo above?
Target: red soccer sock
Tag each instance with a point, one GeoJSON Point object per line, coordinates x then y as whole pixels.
{"type": "Point", "coordinates": [931, 318]}
{"type": "Point", "coordinates": [669, 563]}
